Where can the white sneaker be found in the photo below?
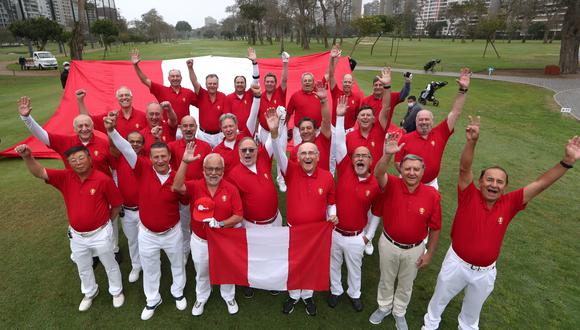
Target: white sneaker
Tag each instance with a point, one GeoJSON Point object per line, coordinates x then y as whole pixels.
{"type": "Point", "coordinates": [118, 300]}
{"type": "Point", "coordinates": [232, 306]}
{"type": "Point", "coordinates": [134, 275]}
{"type": "Point", "coordinates": [87, 302]}
{"type": "Point", "coordinates": [282, 185]}
{"type": "Point", "coordinates": [369, 248]}
{"type": "Point", "coordinates": [181, 303]}
{"type": "Point", "coordinates": [197, 309]}
{"type": "Point", "coordinates": [401, 323]}
{"type": "Point", "coordinates": [148, 311]}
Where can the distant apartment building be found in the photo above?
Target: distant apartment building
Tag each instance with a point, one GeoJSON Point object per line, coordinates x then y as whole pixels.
{"type": "Point", "coordinates": [210, 21]}
{"type": "Point", "coordinates": [372, 8]}
{"type": "Point", "coordinates": [355, 9]}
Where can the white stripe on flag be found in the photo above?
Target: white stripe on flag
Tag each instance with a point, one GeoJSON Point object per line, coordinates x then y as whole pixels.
{"type": "Point", "coordinates": [268, 257]}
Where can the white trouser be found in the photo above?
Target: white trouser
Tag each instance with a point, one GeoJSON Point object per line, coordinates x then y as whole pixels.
{"type": "Point", "coordinates": [150, 246]}
{"type": "Point", "coordinates": [297, 294]}
{"type": "Point", "coordinates": [130, 223]}
{"type": "Point", "coordinates": [456, 275]}
{"type": "Point", "coordinates": [434, 184]}
{"type": "Point", "coordinates": [400, 265]}
{"type": "Point", "coordinates": [200, 257]}
{"type": "Point", "coordinates": [276, 223]}
{"type": "Point", "coordinates": [115, 234]}
{"type": "Point", "coordinates": [212, 139]}
{"type": "Point", "coordinates": [100, 244]}
{"type": "Point", "coordinates": [263, 137]}
{"type": "Point", "coordinates": [185, 220]}
{"type": "Point", "coordinates": [351, 249]}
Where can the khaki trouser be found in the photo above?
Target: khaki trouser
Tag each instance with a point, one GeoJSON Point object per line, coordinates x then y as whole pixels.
{"type": "Point", "coordinates": [397, 264]}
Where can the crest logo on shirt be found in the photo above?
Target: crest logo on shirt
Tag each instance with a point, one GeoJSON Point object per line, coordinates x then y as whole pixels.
{"type": "Point", "coordinates": [320, 191]}
{"type": "Point", "coordinates": [163, 138]}
{"type": "Point", "coordinates": [96, 153]}
{"type": "Point", "coordinates": [275, 101]}
{"type": "Point", "coordinates": [245, 102]}
{"type": "Point", "coordinates": [266, 176]}
{"type": "Point", "coordinates": [421, 211]}
{"type": "Point", "coordinates": [218, 107]}
{"type": "Point", "coordinates": [367, 193]}
{"type": "Point", "coordinates": [433, 142]}
{"type": "Point", "coordinates": [373, 144]}
{"type": "Point", "coordinates": [352, 101]}
{"type": "Point", "coordinates": [92, 191]}
{"type": "Point", "coordinates": [224, 198]}
{"type": "Point", "coordinates": [500, 220]}
{"type": "Point", "coordinates": [136, 125]}
{"type": "Point", "coordinates": [183, 99]}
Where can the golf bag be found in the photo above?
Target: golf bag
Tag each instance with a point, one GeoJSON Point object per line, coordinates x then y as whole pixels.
{"type": "Point", "coordinates": [428, 94]}
{"type": "Point", "coordinates": [430, 66]}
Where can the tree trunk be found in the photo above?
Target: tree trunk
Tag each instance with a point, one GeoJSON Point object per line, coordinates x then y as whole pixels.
{"type": "Point", "coordinates": [77, 39]}
{"type": "Point", "coordinates": [570, 39]}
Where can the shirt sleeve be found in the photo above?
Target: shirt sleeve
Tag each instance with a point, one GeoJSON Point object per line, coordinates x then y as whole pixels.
{"type": "Point", "coordinates": [237, 207]}
{"type": "Point", "coordinates": [98, 122]}
{"type": "Point", "coordinates": [56, 178]}
{"type": "Point", "coordinates": [112, 193]}
{"type": "Point", "coordinates": [516, 199]}
{"type": "Point", "coordinates": [465, 195]}
{"type": "Point", "coordinates": [290, 108]}
{"type": "Point", "coordinates": [434, 222]}
{"type": "Point", "coordinates": [156, 89]}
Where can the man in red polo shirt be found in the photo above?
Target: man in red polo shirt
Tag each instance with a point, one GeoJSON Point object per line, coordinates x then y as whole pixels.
{"type": "Point", "coordinates": [304, 103]}
{"type": "Point", "coordinates": [227, 212]}
{"type": "Point", "coordinates": [479, 226]}
{"type": "Point", "coordinates": [179, 97]}
{"type": "Point", "coordinates": [241, 99]}
{"type": "Point", "coordinates": [411, 211]}
{"type": "Point", "coordinates": [91, 200]}
{"type": "Point", "coordinates": [429, 142]}
{"type": "Point", "coordinates": [354, 100]}
{"type": "Point", "coordinates": [159, 214]}
{"type": "Point", "coordinates": [355, 194]}
{"type": "Point", "coordinates": [129, 119]}
{"type": "Point", "coordinates": [309, 132]}
{"type": "Point", "coordinates": [375, 100]}
{"type": "Point", "coordinates": [310, 196]}
{"type": "Point", "coordinates": [159, 130]}
{"type": "Point", "coordinates": [211, 103]}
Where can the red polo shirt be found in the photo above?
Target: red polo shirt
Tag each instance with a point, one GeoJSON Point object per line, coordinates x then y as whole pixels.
{"type": "Point", "coordinates": [167, 135]}
{"type": "Point", "coordinates": [353, 104]}
{"type": "Point", "coordinates": [304, 105]}
{"type": "Point", "coordinates": [226, 198]}
{"type": "Point", "coordinates": [158, 205]}
{"type": "Point", "coordinates": [354, 197]}
{"type": "Point", "coordinates": [231, 156]}
{"type": "Point", "coordinates": [257, 190]}
{"type": "Point", "coordinates": [430, 149]}
{"type": "Point", "coordinates": [278, 98]}
{"type": "Point", "coordinates": [374, 142]}
{"type": "Point", "coordinates": [477, 232]}
{"type": "Point", "coordinates": [241, 108]}
{"type": "Point", "coordinates": [87, 202]}
{"type": "Point", "coordinates": [136, 122]}
{"type": "Point", "coordinates": [407, 216]}
{"type": "Point", "coordinates": [210, 112]}
{"type": "Point", "coordinates": [98, 147]}
{"type": "Point", "coordinates": [323, 145]}
{"type": "Point", "coordinates": [308, 195]}
{"type": "Point", "coordinates": [377, 104]}
{"type": "Point", "coordinates": [126, 181]}
{"type": "Point", "coordinates": [195, 168]}
{"type": "Point", "coordinates": [180, 101]}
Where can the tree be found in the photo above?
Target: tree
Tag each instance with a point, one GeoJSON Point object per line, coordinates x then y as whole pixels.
{"type": "Point", "coordinates": [304, 19]}
{"type": "Point", "coordinates": [570, 38]}
{"type": "Point", "coordinates": [77, 40]}
{"type": "Point", "coordinates": [434, 28]}
{"type": "Point", "coordinates": [107, 31]}
{"type": "Point", "coordinates": [254, 14]}
{"type": "Point", "coordinates": [183, 28]}
{"type": "Point", "coordinates": [39, 30]}
{"type": "Point", "coordinates": [462, 13]}
{"type": "Point", "coordinates": [387, 25]}
{"type": "Point", "coordinates": [365, 26]}
{"type": "Point", "coordinates": [487, 27]}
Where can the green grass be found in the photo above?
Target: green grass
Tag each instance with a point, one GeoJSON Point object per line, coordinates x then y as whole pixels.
{"type": "Point", "coordinates": [537, 284]}
{"type": "Point", "coordinates": [412, 54]}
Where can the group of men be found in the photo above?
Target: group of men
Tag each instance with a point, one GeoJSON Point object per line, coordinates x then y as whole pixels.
{"type": "Point", "coordinates": [172, 179]}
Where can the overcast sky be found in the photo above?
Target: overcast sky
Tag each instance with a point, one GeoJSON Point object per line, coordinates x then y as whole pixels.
{"type": "Point", "coordinates": [192, 11]}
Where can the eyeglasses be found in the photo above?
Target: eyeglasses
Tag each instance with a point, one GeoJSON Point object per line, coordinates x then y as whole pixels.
{"type": "Point", "coordinates": [248, 150]}
{"type": "Point", "coordinates": [213, 169]}
{"type": "Point", "coordinates": [361, 156]}
{"type": "Point", "coordinates": [308, 153]}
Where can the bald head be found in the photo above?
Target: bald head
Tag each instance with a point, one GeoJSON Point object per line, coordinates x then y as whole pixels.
{"type": "Point", "coordinates": [424, 122]}
{"type": "Point", "coordinates": [83, 127]}
{"type": "Point", "coordinates": [188, 128]}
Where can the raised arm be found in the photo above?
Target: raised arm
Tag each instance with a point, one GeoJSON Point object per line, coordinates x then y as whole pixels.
{"type": "Point", "coordinates": [193, 76]}
{"type": "Point", "coordinates": [279, 152]}
{"type": "Point", "coordinates": [322, 93]}
{"type": "Point", "coordinates": [253, 117]}
{"type": "Point", "coordinates": [457, 108]}
{"type": "Point", "coordinates": [255, 70]}
{"type": "Point", "coordinates": [171, 116]}
{"type": "Point", "coordinates": [406, 88]}
{"type": "Point", "coordinates": [135, 59]}
{"type": "Point", "coordinates": [390, 148]}
{"type": "Point", "coordinates": [32, 164]}
{"type": "Point", "coordinates": [284, 77]}
{"type": "Point", "coordinates": [340, 133]}
{"type": "Point", "coordinates": [110, 122]}
{"type": "Point", "coordinates": [188, 157]}
{"type": "Point", "coordinates": [24, 109]}
{"type": "Point", "coordinates": [466, 161]}
{"type": "Point", "coordinates": [334, 56]}
{"type": "Point", "coordinates": [571, 155]}
{"type": "Point", "coordinates": [385, 79]}
{"type": "Point", "coordinates": [80, 94]}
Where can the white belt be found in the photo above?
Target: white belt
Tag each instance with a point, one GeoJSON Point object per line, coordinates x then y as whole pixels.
{"type": "Point", "coordinates": [158, 233]}
{"type": "Point", "coordinates": [90, 233]}
{"type": "Point", "coordinates": [471, 266]}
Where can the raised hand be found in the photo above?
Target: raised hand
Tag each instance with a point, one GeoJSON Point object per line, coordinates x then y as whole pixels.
{"type": "Point", "coordinates": [320, 90]}
{"type": "Point", "coordinates": [165, 105]}
{"type": "Point", "coordinates": [335, 52]}
{"type": "Point", "coordinates": [189, 154]}
{"type": "Point", "coordinates": [464, 78]}
{"type": "Point", "coordinates": [135, 59]}
{"type": "Point", "coordinates": [472, 129]}
{"type": "Point", "coordinates": [80, 94]}
{"type": "Point", "coordinates": [110, 121]}
{"type": "Point", "coordinates": [341, 105]}
{"type": "Point", "coordinates": [252, 55]}
{"type": "Point", "coordinates": [272, 118]}
{"type": "Point", "coordinates": [285, 57]}
{"type": "Point", "coordinates": [23, 150]}
{"type": "Point", "coordinates": [385, 76]}
{"type": "Point", "coordinates": [572, 153]}
{"type": "Point", "coordinates": [156, 132]}
{"type": "Point", "coordinates": [189, 63]}
{"type": "Point", "coordinates": [256, 90]}
{"type": "Point", "coordinates": [391, 145]}
{"type": "Point", "coordinates": [24, 106]}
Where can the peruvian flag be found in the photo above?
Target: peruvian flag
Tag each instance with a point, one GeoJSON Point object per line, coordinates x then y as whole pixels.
{"type": "Point", "coordinates": [102, 78]}
{"type": "Point", "coordinates": [273, 258]}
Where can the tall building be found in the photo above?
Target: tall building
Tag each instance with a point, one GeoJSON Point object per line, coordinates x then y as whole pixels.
{"type": "Point", "coordinates": [355, 9]}
{"type": "Point", "coordinates": [372, 8]}
{"type": "Point", "coordinates": [210, 21]}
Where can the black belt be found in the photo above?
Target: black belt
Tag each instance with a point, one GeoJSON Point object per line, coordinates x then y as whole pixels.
{"type": "Point", "coordinates": [134, 208]}
{"type": "Point", "coordinates": [347, 233]}
{"type": "Point", "coordinates": [401, 245]}
{"type": "Point", "coordinates": [209, 132]}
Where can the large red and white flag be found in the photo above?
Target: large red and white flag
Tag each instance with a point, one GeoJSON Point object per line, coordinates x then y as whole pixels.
{"type": "Point", "coordinates": [274, 258]}
{"type": "Point", "coordinates": [102, 78]}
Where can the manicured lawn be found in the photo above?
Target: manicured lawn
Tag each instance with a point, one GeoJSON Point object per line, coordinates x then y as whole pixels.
{"type": "Point", "coordinates": [537, 284]}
